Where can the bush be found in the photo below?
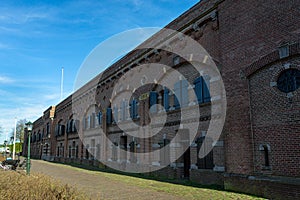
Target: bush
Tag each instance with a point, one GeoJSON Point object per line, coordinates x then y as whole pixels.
{"type": "Point", "coordinates": [17, 185]}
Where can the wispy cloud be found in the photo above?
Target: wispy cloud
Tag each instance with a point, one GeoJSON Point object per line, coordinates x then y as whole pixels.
{"type": "Point", "coordinates": [5, 79]}
{"type": "Point", "coordinates": [8, 115]}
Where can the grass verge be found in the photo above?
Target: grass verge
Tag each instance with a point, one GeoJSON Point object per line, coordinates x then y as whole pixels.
{"type": "Point", "coordinates": [188, 191]}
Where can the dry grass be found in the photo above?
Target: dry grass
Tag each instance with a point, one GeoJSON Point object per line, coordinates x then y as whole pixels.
{"type": "Point", "coordinates": [17, 185]}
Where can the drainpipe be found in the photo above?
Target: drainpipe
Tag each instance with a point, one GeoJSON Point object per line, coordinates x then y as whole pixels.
{"type": "Point", "coordinates": [251, 126]}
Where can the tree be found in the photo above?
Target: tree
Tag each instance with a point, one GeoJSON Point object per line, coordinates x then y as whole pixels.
{"type": "Point", "coordinates": [20, 130]}
{"type": "Point", "coordinates": [1, 130]}
{"type": "Point", "coordinates": [19, 135]}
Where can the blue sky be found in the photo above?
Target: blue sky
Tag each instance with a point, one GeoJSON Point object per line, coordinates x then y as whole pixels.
{"type": "Point", "coordinates": [38, 38]}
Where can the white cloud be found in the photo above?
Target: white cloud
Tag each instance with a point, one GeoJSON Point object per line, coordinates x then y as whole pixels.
{"type": "Point", "coordinates": [5, 79]}
{"type": "Point", "coordinates": [8, 115]}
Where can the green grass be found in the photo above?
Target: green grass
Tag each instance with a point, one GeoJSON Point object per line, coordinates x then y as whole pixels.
{"type": "Point", "coordinates": [178, 190]}
{"type": "Point", "coordinates": [185, 191]}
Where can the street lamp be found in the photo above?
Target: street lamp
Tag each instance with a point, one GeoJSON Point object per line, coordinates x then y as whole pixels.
{"type": "Point", "coordinates": [29, 129]}
{"type": "Point", "coordinates": [5, 150]}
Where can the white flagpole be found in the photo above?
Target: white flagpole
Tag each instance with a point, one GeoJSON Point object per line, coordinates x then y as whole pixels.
{"type": "Point", "coordinates": [15, 135]}
{"type": "Point", "coordinates": [62, 83]}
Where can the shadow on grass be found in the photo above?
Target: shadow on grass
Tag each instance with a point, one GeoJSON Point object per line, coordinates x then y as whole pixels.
{"type": "Point", "coordinates": [147, 176]}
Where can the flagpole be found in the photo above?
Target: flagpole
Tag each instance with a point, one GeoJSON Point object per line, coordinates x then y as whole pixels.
{"type": "Point", "coordinates": [62, 83]}
{"type": "Point", "coordinates": [15, 135]}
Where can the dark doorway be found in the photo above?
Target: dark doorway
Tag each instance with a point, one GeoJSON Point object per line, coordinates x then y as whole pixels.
{"type": "Point", "coordinates": [187, 163]}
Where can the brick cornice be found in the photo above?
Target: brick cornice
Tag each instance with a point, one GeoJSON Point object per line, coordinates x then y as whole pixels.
{"type": "Point", "coordinates": [294, 49]}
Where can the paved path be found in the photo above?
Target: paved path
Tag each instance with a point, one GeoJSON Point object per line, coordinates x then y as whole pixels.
{"type": "Point", "coordinates": [96, 184]}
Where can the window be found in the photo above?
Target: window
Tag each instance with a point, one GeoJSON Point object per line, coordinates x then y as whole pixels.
{"type": "Point", "coordinates": [289, 80]}
{"type": "Point", "coordinates": [108, 116]}
{"type": "Point", "coordinates": [39, 136]}
{"type": "Point", "coordinates": [34, 137]}
{"type": "Point", "coordinates": [48, 129]}
{"type": "Point", "coordinates": [74, 125]}
{"type": "Point", "coordinates": [114, 151]}
{"type": "Point", "coordinates": [73, 153]}
{"type": "Point", "coordinates": [70, 151]}
{"type": "Point", "coordinates": [166, 99]}
{"type": "Point", "coordinates": [76, 151]}
{"type": "Point", "coordinates": [87, 154]}
{"type": "Point", "coordinates": [93, 120]}
{"type": "Point", "coordinates": [59, 130]}
{"type": "Point", "coordinates": [116, 114]}
{"type": "Point", "coordinates": [133, 158]}
{"type": "Point", "coordinates": [284, 51]}
{"type": "Point", "coordinates": [164, 152]}
{"type": "Point", "coordinates": [100, 118]}
{"type": "Point", "coordinates": [265, 149]}
{"type": "Point", "coordinates": [266, 154]}
{"type": "Point", "coordinates": [153, 101]}
{"type": "Point", "coordinates": [134, 109]}
{"type": "Point", "coordinates": [83, 123]}
{"type": "Point", "coordinates": [123, 146]}
{"type": "Point", "coordinates": [60, 150]}
{"type": "Point", "coordinates": [181, 94]}
{"type": "Point", "coordinates": [57, 151]}
{"type": "Point", "coordinates": [207, 161]}
{"type": "Point", "coordinates": [202, 90]}
{"type": "Point", "coordinates": [69, 126]}
{"type": "Point", "coordinates": [88, 122]}
{"type": "Point", "coordinates": [93, 148]}
{"type": "Point", "coordinates": [124, 110]}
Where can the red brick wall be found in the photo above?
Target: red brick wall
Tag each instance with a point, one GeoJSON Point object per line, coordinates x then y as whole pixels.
{"type": "Point", "coordinates": [276, 120]}
{"type": "Point", "coordinates": [268, 188]}
{"type": "Point", "coordinates": [248, 30]}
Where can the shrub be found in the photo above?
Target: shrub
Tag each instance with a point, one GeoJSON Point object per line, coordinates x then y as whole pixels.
{"type": "Point", "coordinates": [17, 185]}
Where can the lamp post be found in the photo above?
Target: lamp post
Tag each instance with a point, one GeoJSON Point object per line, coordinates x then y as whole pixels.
{"type": "Point", "coordinates": [5, 150]}
{"type": "Point", "coordinates": [29, 129]}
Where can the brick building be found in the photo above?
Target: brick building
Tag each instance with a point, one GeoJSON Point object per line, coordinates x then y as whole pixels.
{"type": "Point", "coordinates": [255, 46]}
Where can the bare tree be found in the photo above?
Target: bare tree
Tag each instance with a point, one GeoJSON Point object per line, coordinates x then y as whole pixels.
{"type": "Point", "coordinates": [20, 130]}
{"type": "Point", "coordinates": [1, 130]}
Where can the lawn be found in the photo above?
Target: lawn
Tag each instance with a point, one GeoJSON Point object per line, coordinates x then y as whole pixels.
{"type": "Point", "coordinates": [68, 182]}
{"type": "Point", "coordinates": [186, 192]}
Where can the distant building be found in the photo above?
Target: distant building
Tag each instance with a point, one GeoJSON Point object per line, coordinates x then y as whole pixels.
{"type": "Point", "coordinates": [255, 45]}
